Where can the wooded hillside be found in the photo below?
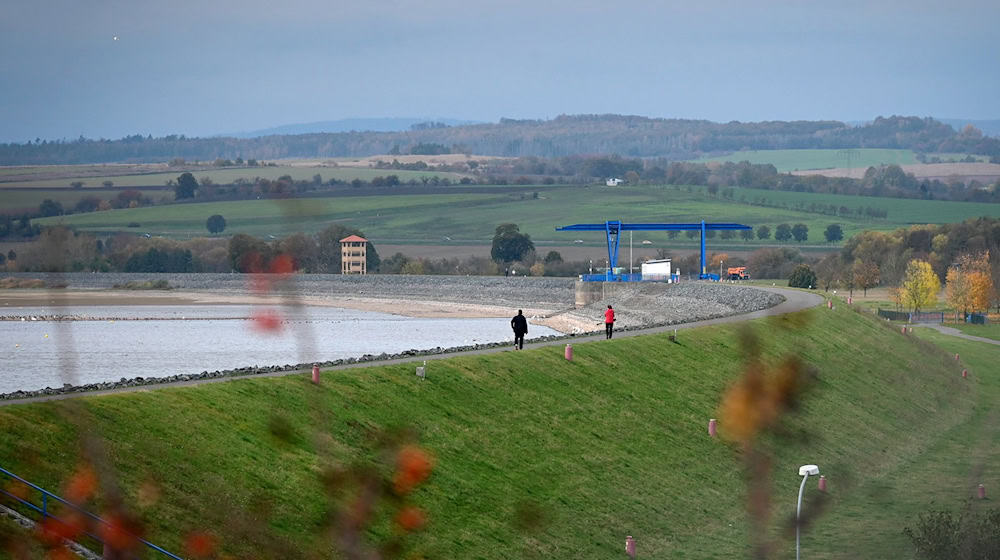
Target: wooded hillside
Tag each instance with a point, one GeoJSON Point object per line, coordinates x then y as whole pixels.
{"type": "Point", "coordinates": [632, 136]}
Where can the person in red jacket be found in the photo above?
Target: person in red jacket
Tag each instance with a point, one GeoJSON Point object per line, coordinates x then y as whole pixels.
{"type": "Point", "coordinates": [609, 321]}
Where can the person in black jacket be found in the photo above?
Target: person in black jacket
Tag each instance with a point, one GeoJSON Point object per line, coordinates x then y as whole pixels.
{"type": "Point", "coordinates": [520, 326]}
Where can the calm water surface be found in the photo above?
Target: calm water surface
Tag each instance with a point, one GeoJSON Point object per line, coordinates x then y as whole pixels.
{"type": "Point", "coordinates": [38, 354]}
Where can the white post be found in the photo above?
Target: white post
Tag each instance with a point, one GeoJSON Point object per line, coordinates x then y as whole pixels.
{"type": "Point", "coordinates": [798, 512]}
{"type": "Point", "coordinates": [630, 251]}
{"type": "Point", "coordinates": [804, 472]}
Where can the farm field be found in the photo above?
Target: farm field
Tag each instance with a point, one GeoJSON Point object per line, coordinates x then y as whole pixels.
{"type": "Point", "coordinates": [28, 200]}
{"type": "Point", "coordinates": [794, 160]}
{"type": "Point", "coordinates": [610, 444]}
{"type": "Point", "coordinates": [901, 211]}
{"type": "Point", "coordinates": [223, 176]}
{"type": "Point", "coordinates": [470, 218]}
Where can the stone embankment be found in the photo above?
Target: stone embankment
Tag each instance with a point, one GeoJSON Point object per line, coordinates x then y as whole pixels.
{"type": "Point", "coordinates": [641, 306]}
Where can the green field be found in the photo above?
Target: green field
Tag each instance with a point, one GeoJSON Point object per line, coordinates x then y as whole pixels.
{"type": "Point", "coordinates": [795, 160]}
{"type": "Point", "coordinates": [986, 331]}
{"type": "Point", "coordinates": [228, 175]}
{"type": "Point", "coordinates": [611, 444]}
{"type": "Point", "coordinates": [472, 217]}
{"type": "Point", "coordinates": [19, 200]}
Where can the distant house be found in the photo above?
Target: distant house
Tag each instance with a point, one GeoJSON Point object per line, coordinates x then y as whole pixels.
{"type": "Point", "coordinates": [613, 182]}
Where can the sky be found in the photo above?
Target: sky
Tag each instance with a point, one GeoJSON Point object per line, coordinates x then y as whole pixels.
{"type": "Point", "coordinates": [209, 67]}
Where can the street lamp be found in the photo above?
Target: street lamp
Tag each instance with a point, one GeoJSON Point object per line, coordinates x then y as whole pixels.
{"type": "Point", "coordinates": [804, 472]}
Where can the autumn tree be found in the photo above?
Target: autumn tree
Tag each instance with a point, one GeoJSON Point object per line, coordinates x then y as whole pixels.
{"type": "Point", "coordinates": [920, 285]}
{"type": "Point", "coordinates": [970, 283]}
{"type": "Point", "coordinates": [865, 275]}
{"type": "Point", "coordinates": [828, 270]}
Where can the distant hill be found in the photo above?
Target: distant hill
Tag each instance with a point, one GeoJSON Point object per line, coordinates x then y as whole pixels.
{"type": "Point", "coordinates": [989, 127]}
{"type": "Point", "coordinates": [348, 125]}
{"type": "Point", "coordinates": [566, 135]}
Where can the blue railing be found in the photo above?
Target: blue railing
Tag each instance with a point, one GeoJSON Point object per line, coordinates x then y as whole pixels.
{"type": "Point", "coordinates": [43, 509]}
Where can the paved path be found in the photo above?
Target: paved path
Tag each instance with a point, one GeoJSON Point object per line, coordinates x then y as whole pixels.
{"type": "Point", "coordinates": [795, 300]}
{"type": "Point", "coordinates": [955, 332]}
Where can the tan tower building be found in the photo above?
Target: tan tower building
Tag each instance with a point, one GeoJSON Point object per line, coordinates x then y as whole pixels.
{"type": "Point", "coordinates": [353, 255]}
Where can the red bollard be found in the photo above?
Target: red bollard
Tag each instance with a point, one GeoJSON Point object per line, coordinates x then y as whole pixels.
{"type": "Point", "coordinates": [965, 373]}
{"type": "Point", "coordinates": [316, 374]}
{"type": "Point", "coordinates": [981, 492]}
{"type": "Point", "coordinates": [569, 353]}
{"type": "Point", "coordinates": [822, 483]}
{"type": "Point", "coordinates": [630, 546]}
{"type": "Point", "coordinates": [829, 304]}
{"type": "Point", "coordinates": [712, 427]}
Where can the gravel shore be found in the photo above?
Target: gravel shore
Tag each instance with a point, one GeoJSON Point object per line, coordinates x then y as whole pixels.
{"type": "Point", "coordinates": [549, 300]}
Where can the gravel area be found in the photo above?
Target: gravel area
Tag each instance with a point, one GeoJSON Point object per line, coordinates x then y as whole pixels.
{"type": "Point", "coordinates": [645, 305]}
{"type": "Point", "coordinates": [550, 293]}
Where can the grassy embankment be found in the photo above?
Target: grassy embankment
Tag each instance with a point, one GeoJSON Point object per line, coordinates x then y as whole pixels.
{"type": "Point", "coordinates": [472, 217]}
{"type": "Point", "coordinates": [613, 443]}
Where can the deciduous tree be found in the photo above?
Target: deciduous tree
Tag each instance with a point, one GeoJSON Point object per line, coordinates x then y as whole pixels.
{"type": "Point", "coordinates": [920, 285]}
{"type": "Point", "coordinates": [509, 244]}
{"type": "Point", "coordinates": [800, 232]}
{"type": "Point", "coordinates": [865, 275]}
{"type": "Point", "coordinates": [833, 233]}
{"type": "Point", "coordinates": [215, 223]}
{"type": "Point", "coordinates": [783, 232]}
{"type": "Point", "coordinates": [186, 186]}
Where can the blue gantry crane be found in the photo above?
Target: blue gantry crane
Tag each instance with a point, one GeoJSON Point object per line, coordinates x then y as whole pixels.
{"type": "Point", "coordinates": [613, 230]}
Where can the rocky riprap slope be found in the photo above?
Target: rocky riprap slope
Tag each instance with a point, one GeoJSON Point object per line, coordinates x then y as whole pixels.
{"type": "Point", "coordinates": [645, 305]}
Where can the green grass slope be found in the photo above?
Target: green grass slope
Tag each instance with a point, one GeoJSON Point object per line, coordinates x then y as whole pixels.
{"type": "Point", "coordinates": [611, 444]}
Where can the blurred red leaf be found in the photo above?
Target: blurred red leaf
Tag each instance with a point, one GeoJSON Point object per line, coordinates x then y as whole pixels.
{"type": "Point", "coordinates": [282, 264]}
{"type": "Point", "coordinates": [119, 533]}
{"type": "Point", "coordinates": [200, 545]}
{"type": "Point", "coordinates": [411, 518]}
{"type": "Point", "coordinates": [266, 321]}
{"type": "Point", "coordinates": [414, 465]}
{"type": "Point", "coordinates": [81, 485]}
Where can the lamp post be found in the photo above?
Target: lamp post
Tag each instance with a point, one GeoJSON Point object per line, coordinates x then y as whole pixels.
{"type": "Point", "coordinates": [804, 472]}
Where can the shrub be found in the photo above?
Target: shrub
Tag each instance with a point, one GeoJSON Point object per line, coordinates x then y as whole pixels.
{"type": "Point", "coordinates": [942, 535]}
{"type": "Point", "coordinates": [802, 277]}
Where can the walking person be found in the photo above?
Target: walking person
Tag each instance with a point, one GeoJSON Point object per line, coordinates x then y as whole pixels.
{"type": "Point", "coordinates": [609, 321]}
{"type": "Point", "coordinates": [520, 326]}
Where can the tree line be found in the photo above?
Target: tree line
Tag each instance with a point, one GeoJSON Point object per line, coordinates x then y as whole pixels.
{"type": "Point", "coordinates": [632, 136]}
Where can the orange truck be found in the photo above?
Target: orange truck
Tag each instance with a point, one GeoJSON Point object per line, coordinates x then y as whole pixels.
{"type": "Point", "coordinates": [738, 273]}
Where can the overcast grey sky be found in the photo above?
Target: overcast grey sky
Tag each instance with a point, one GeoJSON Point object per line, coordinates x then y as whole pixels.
{"type": "Point", "coordinates": [200, 68]}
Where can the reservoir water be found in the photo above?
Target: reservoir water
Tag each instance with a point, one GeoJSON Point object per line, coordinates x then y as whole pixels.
{"type": "Point", "coordinates": [157, 341]}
